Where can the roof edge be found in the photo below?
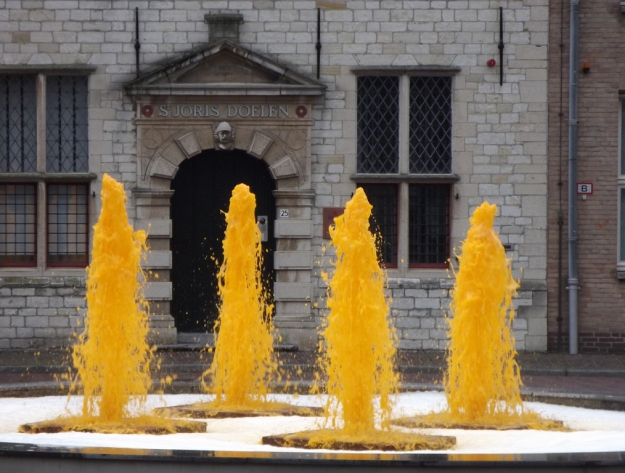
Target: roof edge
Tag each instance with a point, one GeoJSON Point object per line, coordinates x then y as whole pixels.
{"type": "Point", "coordinates": [140, 83]}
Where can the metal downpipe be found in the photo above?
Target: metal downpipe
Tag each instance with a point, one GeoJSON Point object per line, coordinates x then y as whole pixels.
{"type": "Point", "coordinates": [573, 281]}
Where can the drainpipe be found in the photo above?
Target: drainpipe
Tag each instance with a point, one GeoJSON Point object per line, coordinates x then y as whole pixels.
{"type": "Point", "coordinates": [573, 282]}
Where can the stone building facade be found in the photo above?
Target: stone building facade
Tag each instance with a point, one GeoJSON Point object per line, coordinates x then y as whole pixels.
{"type": "Point", "coordinates": [601, 268]}
{"type": "Point", "coordinates": [403, 99]}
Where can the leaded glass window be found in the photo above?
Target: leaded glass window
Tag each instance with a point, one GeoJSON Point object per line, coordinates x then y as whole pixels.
{"type": "Point", "coordinates": [378, 124]}
{"type": "Point", "coordinates": [67, 224]}
{"type": "Point", "coordinates": [18, 231]}
{"type": "Point", "coordinates": [383, 220]}
{"type": "Point", "coordinates": [428, 233]}
{"type": "Point", "coordinates": [18, 123]}
{"type": "Point", "coordinates": [67, 142]}
{"type": "Point", "coordinates": [430, 125]}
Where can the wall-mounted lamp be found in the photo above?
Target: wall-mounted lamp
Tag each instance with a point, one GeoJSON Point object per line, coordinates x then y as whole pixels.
{"type": "Point", "coordinates": [586, 67]}
{"type": "Point", "coordinates": [491, 63]}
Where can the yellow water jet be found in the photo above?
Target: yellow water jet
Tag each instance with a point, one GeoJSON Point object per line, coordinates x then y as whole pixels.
{"type": "Point", "coordinates": [483, 378]}
{"type": "Point", "coordinates": [359, 344]}
{"type": "Point", "coordinates": [482, 381]}
{"type": "Point", "coordinates": [243, 362]}
{"type": "Point", "coordinates": [112, 356]}
{"type": "Point", "coordinates": [243, 365]}
{"type": "Point", "coordinates": [359, 341]}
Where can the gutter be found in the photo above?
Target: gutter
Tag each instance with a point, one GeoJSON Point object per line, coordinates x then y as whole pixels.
{"type": "Point", "coordinates": [573, 281]}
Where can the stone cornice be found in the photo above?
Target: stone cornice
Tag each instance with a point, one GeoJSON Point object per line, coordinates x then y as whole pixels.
{"type": "Point", "coordinates": [409, 70]}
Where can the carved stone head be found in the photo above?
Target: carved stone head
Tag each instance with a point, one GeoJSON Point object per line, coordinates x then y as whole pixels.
{"type": "Point", "coordinates": [224, 136]}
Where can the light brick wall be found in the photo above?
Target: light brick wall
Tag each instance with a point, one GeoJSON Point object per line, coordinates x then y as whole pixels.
{"type": "Point", "coordinates": [601, 316]}
{"type": "Point", "coordinates": [499, 132]}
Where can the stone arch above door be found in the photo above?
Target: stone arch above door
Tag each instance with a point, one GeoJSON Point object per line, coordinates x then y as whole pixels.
{"type": "Point", "coordinates": [287, 162]}
{"type": "Point", "coordinates": [270, 107]}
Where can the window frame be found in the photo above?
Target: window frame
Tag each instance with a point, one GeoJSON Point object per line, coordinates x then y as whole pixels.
{"type": "Point", "coordinates": [41, 177]}
{"type": "Point", "coordinates": [27, 120]}
{"type": "Point", "coordinates": [403, 179]}
{"type": "Point", "coordinates": [84, 264]}
{"type": "Point", "coordinates": [34, 263]}
{"type": "Point", "coordinates": [395, 218]}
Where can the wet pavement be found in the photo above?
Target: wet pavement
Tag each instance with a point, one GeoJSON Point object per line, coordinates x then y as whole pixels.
{"type": "Point", "coordinates": [588, 376]}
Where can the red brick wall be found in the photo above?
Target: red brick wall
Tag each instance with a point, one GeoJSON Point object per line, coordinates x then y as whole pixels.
{"type": "Point", "coordinates": [601, 297]}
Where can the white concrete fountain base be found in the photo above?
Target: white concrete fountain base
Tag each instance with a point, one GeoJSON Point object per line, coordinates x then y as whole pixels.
{"type": "Point", "coordinates": [593, 430]}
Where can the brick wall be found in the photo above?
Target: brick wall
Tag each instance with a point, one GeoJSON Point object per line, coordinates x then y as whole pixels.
{"type": "Point", "coordinates": [601, 297]}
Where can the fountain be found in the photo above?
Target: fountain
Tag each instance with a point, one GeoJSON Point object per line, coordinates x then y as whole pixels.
{"type": "Point", "coordinates": [243, 364]}
{"type": "Point", "coordinates": [112, 355]}
{"type": "Point", "coordinates": [482, 381]}
{"type": "Point", "coordinates": [359, 349]}
{"type": "Point", "coordinates": [353, 420]}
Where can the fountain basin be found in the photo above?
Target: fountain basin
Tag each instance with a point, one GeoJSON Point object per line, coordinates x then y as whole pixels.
{"type": "Point", "coordinates": [596, 442]}
{"type": "Point", "coordinates": [19, 458]}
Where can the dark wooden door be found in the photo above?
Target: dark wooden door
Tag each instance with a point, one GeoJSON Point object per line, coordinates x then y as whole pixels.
{"type": "Point", "coordinates": [202, 190]}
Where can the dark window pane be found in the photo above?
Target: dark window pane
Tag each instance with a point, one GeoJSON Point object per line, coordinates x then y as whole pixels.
{"type": "Point", "coordinates": [428, 237]}
{"type": "Point", "coordinates": [66, 124]}
{"type": "Point", "coordinates": [378, 124]}
{"type": "Point", "coordinates": [430, 125]}
{"type": "Point", "coordinates": [383, 222]}
{"type": "Point", "coordinates": [18, 228]}
{"type": "Point", "coordinates": [67, 238]}
{"type": "Point", "coordinates": [18, 123]}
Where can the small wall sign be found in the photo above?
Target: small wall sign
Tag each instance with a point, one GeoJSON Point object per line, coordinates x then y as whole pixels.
{"type": "Point", "coordinates": [284, 213]}
{"type": "Point", "coordinates": [584, 188]}
{"type": "Point", "coordinates": [147, 110]}
{"type": "Point", "coordinates": [329, 214]}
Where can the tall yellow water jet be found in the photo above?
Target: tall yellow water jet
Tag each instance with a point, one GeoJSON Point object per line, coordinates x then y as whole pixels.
{"type": "Point", "coordinates": [482, 381]}
{"type": "Point", "coordinates": [483, 378]}
{"type": "Point", "coordinates": [242, 364]}
{"type": "Point", "coordinates": [112, 356]}
{"type": "Point", "coordinates": [360, 343]}
{"type": "Point", "coordinates": [359, 348]}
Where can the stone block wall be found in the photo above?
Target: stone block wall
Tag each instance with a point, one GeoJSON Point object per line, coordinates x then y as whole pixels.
{"type": "Point", "coordinates": [499, 131]}
{"type": "Point", "coordinates": [40, 311]}
{"type": "Point", "coordinates": [420, 309]}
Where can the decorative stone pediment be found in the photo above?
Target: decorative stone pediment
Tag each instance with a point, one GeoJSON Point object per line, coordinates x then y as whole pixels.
{"type": "Point", "coordinates": [224, 68]}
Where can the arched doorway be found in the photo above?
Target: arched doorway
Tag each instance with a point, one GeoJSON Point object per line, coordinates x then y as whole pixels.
{"type": "Point", "coordinates": [202, 190]}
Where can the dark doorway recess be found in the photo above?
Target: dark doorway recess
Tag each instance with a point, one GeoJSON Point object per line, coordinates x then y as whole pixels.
{"type": "Point", "coordinates": [202, 190]}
